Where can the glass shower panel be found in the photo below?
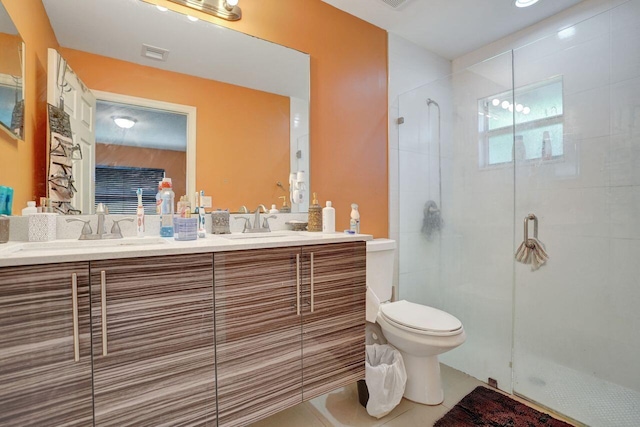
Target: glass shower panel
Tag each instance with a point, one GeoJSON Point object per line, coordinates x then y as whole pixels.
{"type": "Point", "coordinates": [576, 319]}
{"type": "Point", "coordinates": [461, 264]}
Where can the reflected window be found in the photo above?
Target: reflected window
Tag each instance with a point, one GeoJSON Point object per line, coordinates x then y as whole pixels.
{"type": "Point", "coordinates": [116, 187]}
{"type": "Point", "coordinates": [537, 110]}
{"type": "Point", "coordinates": [137, 146]}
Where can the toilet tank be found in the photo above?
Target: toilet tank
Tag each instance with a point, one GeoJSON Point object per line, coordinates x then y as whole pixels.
{"type": "Point", "coordinates": [380, 258]}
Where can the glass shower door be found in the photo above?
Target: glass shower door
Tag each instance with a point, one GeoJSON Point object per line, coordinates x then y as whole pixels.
{"type": "Point", "coordinates": [576, 318]}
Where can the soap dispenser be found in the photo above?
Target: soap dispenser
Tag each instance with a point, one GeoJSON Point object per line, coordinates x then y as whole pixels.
{"type": "Point", "coordinates": [315, 215]}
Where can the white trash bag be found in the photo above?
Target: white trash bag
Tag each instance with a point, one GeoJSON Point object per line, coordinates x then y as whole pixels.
{"type": "Point", "coordinates": [385, 377]}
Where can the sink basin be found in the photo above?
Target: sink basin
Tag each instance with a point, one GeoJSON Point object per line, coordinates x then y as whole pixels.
{"type": "Point", "coordinates": [247, 236]}
{"type": "Point", "coordinates": [60, 245]}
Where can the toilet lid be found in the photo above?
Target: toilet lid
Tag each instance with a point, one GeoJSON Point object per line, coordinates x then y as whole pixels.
{"type": "Point", "coordinates": [420, 317]}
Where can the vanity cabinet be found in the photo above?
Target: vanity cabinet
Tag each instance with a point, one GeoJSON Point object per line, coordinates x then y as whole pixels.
{"type": "Point", "coordinates": [153, 341]}
{"type": "Point", "coordinates": [45, 346]}
{"type": "Point", "coordinates": [290, 325]}
{"type": "Point", "coordinates": [258, 346]}
{"type": "Point", "coordinates": [333, 322]}
{"type": "Point", "coordinates": [200, 339]}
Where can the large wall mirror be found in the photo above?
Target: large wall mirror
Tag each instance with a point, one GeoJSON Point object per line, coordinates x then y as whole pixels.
{"type": "Point", "coordinates": [11, 77]}
{"type": "Point", "coordinates": [247, 100]}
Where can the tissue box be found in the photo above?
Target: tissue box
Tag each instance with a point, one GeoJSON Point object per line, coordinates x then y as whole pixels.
{"type": "Point", "coordinates": [42, 227]}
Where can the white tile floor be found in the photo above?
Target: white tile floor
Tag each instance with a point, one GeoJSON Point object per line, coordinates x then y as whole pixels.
{"type": "Point", "coordinates": [341, 407]}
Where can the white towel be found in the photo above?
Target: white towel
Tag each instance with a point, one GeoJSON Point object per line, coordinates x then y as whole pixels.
{"type": "Point", "coordinates": [532, 251]}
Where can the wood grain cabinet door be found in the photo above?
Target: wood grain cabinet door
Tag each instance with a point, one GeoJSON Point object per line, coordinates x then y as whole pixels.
{"type": "Point", "coordinates": [334, 290]}
{"type": "Point", "coordinates": [45, 346]}
{"type": "Point", "coordinates": [258, 333]}
{"type": "Point", "coordinates": [153, 341]}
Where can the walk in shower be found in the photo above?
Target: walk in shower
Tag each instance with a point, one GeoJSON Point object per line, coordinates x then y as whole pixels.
{"type": "Point", "coordinates": [552, 129]}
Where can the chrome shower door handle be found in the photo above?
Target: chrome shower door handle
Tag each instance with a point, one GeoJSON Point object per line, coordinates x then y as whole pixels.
{"type": "Point", "coordinates": [76, 334]}
{"type": "Point", "coordinates": [103, 303]}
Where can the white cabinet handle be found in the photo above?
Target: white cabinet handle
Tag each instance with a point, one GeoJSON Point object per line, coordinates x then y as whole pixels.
{"type": "Point", "coordinates": [76, 334]}
{"type": "Point", "coordinates": [312, 282]}
{"type": "Point", "coordinates": [103, 300]}
{"type": "Point", "coordinates": [298, 284]}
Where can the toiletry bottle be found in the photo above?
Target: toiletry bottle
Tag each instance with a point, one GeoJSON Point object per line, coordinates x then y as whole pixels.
{"type": "Point", "coordinates": [202, 231]}
{"type": "Point", "coordinates": [30, 209]}
{"type": "Point", "coordinates": [546, 145]}
{"type": "Point", "coordinates": [354, 223]}
{"type": "Point", "coordinates": [139, 215]}
{"type": "Point", "coordinates": [520, 150]}
{"type": "Point", "coordinates": [167, 208]}
{"type": "Point", "coordinates": [315, 215]}
{"type": "Point", "coordinates": [273, 210]}
{"type": "Point", "coordinates": [328, 219]}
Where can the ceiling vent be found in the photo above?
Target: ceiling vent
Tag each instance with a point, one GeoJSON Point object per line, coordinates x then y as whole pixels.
{"type": "Point", "coordinates": [395, 4]}
{"type": "Point", "coordinates": [153, 52]}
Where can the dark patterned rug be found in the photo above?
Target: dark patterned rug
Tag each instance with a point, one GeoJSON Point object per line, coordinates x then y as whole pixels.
{"type": "Point", "coordinates": [485, 407]}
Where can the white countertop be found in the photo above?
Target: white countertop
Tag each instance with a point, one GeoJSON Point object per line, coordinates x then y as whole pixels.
{"type": "Point", "coordinates": [67, 250]}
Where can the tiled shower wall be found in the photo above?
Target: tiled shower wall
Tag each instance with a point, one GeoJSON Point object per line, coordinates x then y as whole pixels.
{"type": "Point", "coordinates": [571, 319]}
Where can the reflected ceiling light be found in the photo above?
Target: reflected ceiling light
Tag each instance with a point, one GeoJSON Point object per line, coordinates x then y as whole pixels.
{"type": "Point", "coordinates": [124, 122]}
{"type": "Point", "coordinates": [161, 8]}
{"type": "Point", "coordinates": [519, 107]}
{"type": "Point", "coordinates": [225, 9]}
{"type": "Point", "coordinates": [495, 102]}
{"type": "Point", "coordinates": [525, 3]}
{"type": "Point", "coordinates": [511, 108]}
{"type": "Point", "coordinates": [526, 110]}
{"type": "Point", "coordinates": [505, 104]}
{"type": "Point", "coordinates": [566, 33]}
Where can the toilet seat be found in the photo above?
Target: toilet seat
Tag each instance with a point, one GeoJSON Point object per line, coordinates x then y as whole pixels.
{"type": "Point", "coordinates": [420, 319]}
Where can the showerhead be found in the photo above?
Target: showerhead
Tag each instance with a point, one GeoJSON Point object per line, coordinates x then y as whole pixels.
{"type": "Point", "coordinates": [431, 101]}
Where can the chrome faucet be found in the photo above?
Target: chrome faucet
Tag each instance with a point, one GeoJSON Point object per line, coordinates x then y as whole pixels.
{"type": "Point", "coordinates": [255, 228]}
{"type": "Point", "coordinates": [87, 232]}
{"type": "Point", "coordinates": [101, 211]}
{"type": "Point", "coordinates": [256, 218]}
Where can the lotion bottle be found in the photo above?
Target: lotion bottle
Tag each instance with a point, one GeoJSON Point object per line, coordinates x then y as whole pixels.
{"type": "Point", "coordinates": [328, 219]}
{"type": "Point", "coordinates": [30, 209]}
{"type": "Point", "coordinates": [354, 223]}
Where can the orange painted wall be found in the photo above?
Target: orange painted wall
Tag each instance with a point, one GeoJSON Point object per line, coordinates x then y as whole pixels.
{"type": "Point", "coordinates": [23, 163]}
{"type": "Point", "coordinates": [173, 162]}
{"type": "Point", "coordinates": [242, 134]}
{"type": "Point", "coordinates": [349, 151]}
{"type": "Point", "coordinates": [10, 46]}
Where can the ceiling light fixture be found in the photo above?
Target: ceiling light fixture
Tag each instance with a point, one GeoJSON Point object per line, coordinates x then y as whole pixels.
{"type": "Point", "coordinates": [162, 8]}
{"type": "Point", "coordinates": [124, 122]}
{"type": "Point", "coordinates": [225, 9]}
{"type": "Point", "coordinates": [192, 18]}
{"type": "Point", "coordinates": [525, 3]}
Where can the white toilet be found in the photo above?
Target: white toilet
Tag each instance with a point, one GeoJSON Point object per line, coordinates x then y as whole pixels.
{"type": "Point", "coordinates": [419, 332]}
